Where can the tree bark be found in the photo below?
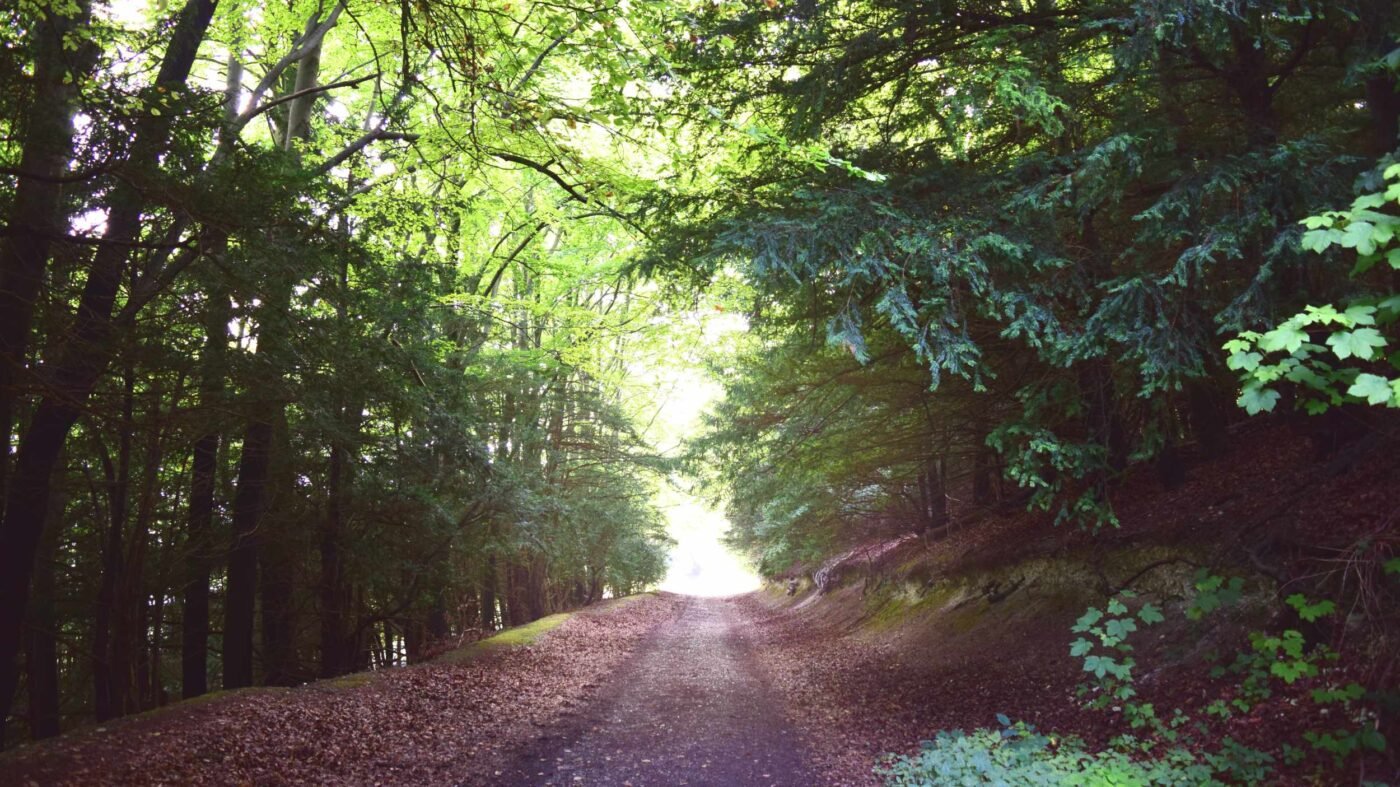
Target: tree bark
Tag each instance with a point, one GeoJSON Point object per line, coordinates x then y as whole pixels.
{"type": "Point", "coordinates": [41, 662]}
{"type": "Point", "coordinates": [108, 682]}
{"type": "Point", "coordinates": [35, 217]}
{"type": "Point", "coordinates": [240, 599]}
{"type": "Point", "coordinates": [277, 563]}
{"type": "Point", "coordinates": [80, 361]}
{"type": "Point", "coordinates": [199, 524]}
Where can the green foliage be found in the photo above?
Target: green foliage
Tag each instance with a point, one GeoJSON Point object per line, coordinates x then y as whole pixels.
{"type": "Point", "coordinates": [1213, 592]}
{"type": "Point", "coordinates": [1285, 657]}
{"type": "Point", "coordinates": [1019, 755]}
{"type": "Point", "coordinates": [1170, 754]}
{"type": "Point", "coordinates": [1106, 656]}
{"type": "Point", "coordinates": [1072, 212]}
{"type": "Point", "coordinates": [1358, 331]}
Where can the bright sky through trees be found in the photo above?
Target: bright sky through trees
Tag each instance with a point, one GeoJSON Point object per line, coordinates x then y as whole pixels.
{"type": "Point", "coordinates": [699, 563]}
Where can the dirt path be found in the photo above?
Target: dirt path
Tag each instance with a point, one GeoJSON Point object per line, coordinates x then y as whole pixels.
{"type": "Point", "coordinates": [688, 708]}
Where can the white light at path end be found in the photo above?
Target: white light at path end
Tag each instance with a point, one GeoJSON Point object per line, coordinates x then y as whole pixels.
{"type": "Point", "coordinates": [700, 565]}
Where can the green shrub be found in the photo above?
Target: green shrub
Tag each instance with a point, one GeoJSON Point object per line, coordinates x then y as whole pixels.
{"type": "Point", "coordinates": [1018, 755]}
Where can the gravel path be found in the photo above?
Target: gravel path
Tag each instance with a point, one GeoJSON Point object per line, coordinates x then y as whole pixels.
{"type": "Point", "coordinates": [690, 707]}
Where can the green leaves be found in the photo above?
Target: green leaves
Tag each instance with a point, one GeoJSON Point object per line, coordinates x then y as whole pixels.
{"type": "Point", "coordinates": [1357, 333]}
{"type": "Point", "coordinates": [1310, 611]}
{"type": "Point", "coordinates": [1360, 343]}
{"type": "Point", "coordinates": [1288, 337]}
{"type": "Point", "coordinates": [1088, 619]}
{"type": "Point", "coordinates": [1256, 399]}
{"type": "Point", "coordinates": [1374, 389]}
{"type": "Point", "coordinates": [1212, 593]}
{"type": "Point", "coordinates": [1150, 614]}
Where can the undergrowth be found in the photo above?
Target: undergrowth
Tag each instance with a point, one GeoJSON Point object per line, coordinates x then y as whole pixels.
{"type": "Point", "coordinates": [1167, 748]}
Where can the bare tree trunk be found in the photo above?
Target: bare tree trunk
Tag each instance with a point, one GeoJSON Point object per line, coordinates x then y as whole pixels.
{"type": "Point", "coordinates": [108, 681]}
{"type": "Point", "coordinates": [41, 662]}
{"type": "Point", "coordinates": [35, 217]}
{"type": "Point", "coordinates": [240, 597]}
{"type": "Point", "coordinates": [488, 596]}
{"type": "Point", "coordinates": [276, 564]}
{"type": "Point", "coordinates": [80, 361]}
{"type": "Point", "coordinates": [199, 525]}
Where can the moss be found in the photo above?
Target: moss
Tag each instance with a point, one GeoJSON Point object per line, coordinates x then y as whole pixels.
{"type": "Point", "coordinates": [517, 637]}
{"type": "Point", "coordinates": [967, 618]}
{"type": "Point", "coordinates": [352, 681]}
{"type": "Point", "coordinates": [886, 612]}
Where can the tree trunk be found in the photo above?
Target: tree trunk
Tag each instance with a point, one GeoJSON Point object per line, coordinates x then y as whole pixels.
{"type": "Point", "coordinates": [275, 560]}
{"type": "Point", "coordinates": [133, 601]}
{"type": "Point", "coordinates": [41, 663]}
{"type": "Point", "coordinates": [35, 217]}
{"type": "Point", "coordinates": [199, 524]}
{"type": "Point", "coordinates": [984, 473]}
{"type": "Point", "coordinates": [334, 653]}
{"type": "Point", "coordinates": [109, 699]}
{"type": "Point", "coordinates": [240, 599]}
{"type": "Point", "coordinates": [488, 596]}
{"type": "Point", "coordinates": [80, 361]}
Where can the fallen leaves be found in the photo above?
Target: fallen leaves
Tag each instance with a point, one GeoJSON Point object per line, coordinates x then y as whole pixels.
{"type": "Point", "coordinates": [428, 724]}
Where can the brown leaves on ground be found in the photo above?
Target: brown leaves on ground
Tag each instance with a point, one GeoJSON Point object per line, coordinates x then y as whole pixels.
{"type": "Point", "coordinates": [428, 724]}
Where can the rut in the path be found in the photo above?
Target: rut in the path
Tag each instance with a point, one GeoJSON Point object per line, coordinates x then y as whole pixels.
{"type": "Point", "coordinates": [688, 708]}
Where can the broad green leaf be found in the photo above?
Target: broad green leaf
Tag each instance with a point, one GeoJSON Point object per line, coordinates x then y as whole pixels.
{"type": "Point", "coordinates": [1326, 314]}
{"type": "Point", "coordinates": [1360, 235]}
{"type": "Point", "coordinates": [1361, 314]}
{"type": "Point", "coordinates": [1319, 240]}
{"type": "Point", "coordinates": [1256, 400]}
{"type": "Point", "coordinates": [1373, 388]}
{"type": "Point", "coordinates": [1366, 201]}
{"type": "Point", "coordinates": [1360, 343]}
{"type": "Point", "coordinates": [1287, 337]}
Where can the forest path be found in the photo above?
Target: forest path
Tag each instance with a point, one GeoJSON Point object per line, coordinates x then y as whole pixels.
{"type": "Point", "coordinates": [690, 707]}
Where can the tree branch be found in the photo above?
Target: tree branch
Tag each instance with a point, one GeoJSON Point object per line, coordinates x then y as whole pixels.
{"type": "Point", "coordinates": [252, 113]}
{"type": "Point", "coordinates": [543, 170]}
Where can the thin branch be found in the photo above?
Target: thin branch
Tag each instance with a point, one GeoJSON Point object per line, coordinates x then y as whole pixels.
{"type": "Point", "coordinates": [360, 144]}
{"type": "Point", "coordinates": [539, 60]}
{"type": "Point", "coordinates": [543, 170]}
{"type": "Point", "coordinates": [306, 92]}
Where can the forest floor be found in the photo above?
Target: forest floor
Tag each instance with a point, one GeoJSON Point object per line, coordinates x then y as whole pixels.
{"type": "Point", "coordinates": [453, 721]}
